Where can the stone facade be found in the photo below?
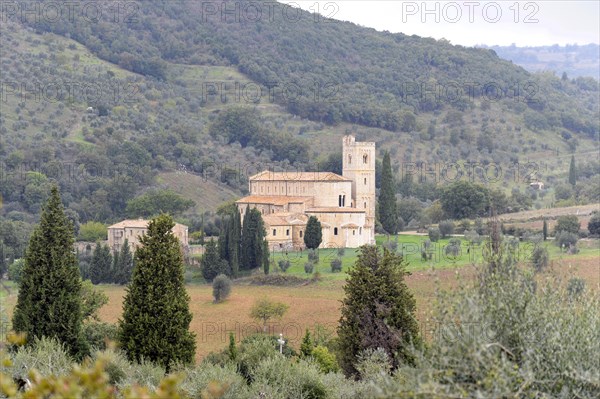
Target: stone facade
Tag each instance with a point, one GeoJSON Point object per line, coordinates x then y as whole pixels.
{"type": "Point", "coordinates": [133, 230]}
{"type": "Point", "coordinates": [345, 205]}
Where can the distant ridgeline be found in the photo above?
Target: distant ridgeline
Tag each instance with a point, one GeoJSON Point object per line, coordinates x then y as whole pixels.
{"type": "Point", "coordinates": [321, 69]}
{"type": "Point", "coordinates": [574, 60]}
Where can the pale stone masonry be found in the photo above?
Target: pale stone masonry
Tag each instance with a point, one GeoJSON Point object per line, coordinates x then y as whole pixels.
{"type": "Point", "coordinates": [133, 230]}
{"type": "Point", "coordinates": [345, 205]}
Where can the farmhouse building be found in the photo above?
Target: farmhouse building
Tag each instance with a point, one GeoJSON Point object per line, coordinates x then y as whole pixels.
{"type": "Point", "coordinates": [133, 230]}
{"type": "Point", "coordinates": [345, 205]}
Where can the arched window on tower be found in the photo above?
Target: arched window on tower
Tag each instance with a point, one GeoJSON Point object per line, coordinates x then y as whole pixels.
{"type": "Point", "coordinates": [349, 158]}
{"type": "Point", "coordinates": [365, 158]}
{"type": "Point", "coordinates": [335, 231]}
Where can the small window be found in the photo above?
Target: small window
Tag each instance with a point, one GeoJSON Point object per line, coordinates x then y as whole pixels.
{"type": "Point", "coordinates": [274, 232]}
{"type": "Point", "coordinates": [365, 180]}
{"type": "Point", "coordinates": [365, 205]}
{"type": "Point", "coordinates": [287, 232]}
{"type": "Point", "coordinates": [335, 231]}
{"type": "Point", "coordinates": [300, 233]}
{"type": "Point", "coordinates": [349, 158]}
{"type": "Point", "coordinates": [353, 232]}
{"type": "Point", "coordinates": [360, 230]}
{"type": "Point", "coordinates": [365, 158]}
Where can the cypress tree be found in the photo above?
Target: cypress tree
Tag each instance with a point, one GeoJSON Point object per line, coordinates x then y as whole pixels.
{"type": "Point", "coordinates": [156, 315]}
{"type": "Point", "coordinates": [388, 215]}
{"type": "Point", "coordinates": [100, 269]}
{"type": "Point", "coordinates": [3, 263]}
{"type": "Point", "coordinates": [114, 275]}
{"type": "Point", "coordinates": [49, 302]}
{"type": "Point", "coordinates": [313, 236]}
{"type": "Point", "coordinates": [307, 346]}
{"type": "Point", "coordinates": [265, 256]}
{"type": "Point", "coordinates": [545, 230]}
{"type": "Point", "coordinates": [211, 263]}
{"type": "Point", "coordinates": [572, 171]}
{"type": "Point", "coordinates": [253, 235]}
{"type": "Point", "coordinates": [378, 310]}
{"type": "Point", "coordinates": [124, 265]}
{"type": "Point", "coordinates": [245, 242]}
{"type": "Point", "coordinates": [224, 234]}
{"type": "Point", "coordinates": [235, 236]}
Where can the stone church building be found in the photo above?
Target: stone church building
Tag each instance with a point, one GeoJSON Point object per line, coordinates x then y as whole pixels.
{"type": "Point", "coordinates": [345, 205]}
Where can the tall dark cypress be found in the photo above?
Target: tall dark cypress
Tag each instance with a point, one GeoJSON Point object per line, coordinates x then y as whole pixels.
{"type": "Point", "coordinates": [49, 302]}
{"type": "Point", "coordinates": [100, 269]}
{"type": "Point", "coordinates": [253, 234]}
{"type": "Point", "coordinates": [378, 310]}
{"type": "Point", "coordinates": [156, 315]}
{"type": "Point", "coordinates": [235, 236]}
{"type": "Point", "coordinates": [572, 172]}
{"type": "Point", "coordinates": [388, 215]}
{"type": "Point", "coordinates": [124, 265]}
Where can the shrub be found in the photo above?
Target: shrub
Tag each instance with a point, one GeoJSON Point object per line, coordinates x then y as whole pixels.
{"type": "Point", "coordinates": [446, 228]}
{"type": "Point", "coordinates": [46, 355]}
{"type": "Point", "coordinates": [325, 359]}
{"type": "Point", "coordinates": [283, 264]}
{"type": "Point", "coordinates": [540, 258]}
{"type": "Point", "coordinates": [341, 251]}
{"type": "Point", "coordinates": [373, 364]}
{"type": "Point", "coordinates": [575, 287]}
{"type": "Point", "coordinates": [336, 265]}
{"type": "Point", "coordinates": [473, 237]}
{"type": "Point", "coordinates": [453, 247]}
{"type": "Point", "coordinates": [565, 239]}
{"type": "Point", "coordinates": [463, 226]}
{"type": "Point", "coordinates": [197, 381]}
{"type": "Point", "coordinates": [568, 223]}
{"type": "Point", "coordinates": [309, 267]}
{"type": "Point", "coordinates": [293, 380]}
{"type": "Point", "coordinates": [434, 234]}
{"type": "Point", "coordinates": [594, 224]}
{"type": "Point", "coordinates": [97, 333]}
{"type": "Point", "coordinates": [221, 288]}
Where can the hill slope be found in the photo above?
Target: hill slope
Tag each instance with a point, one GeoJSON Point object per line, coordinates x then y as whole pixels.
{"type": "Point", "coordinates": [147, 80]}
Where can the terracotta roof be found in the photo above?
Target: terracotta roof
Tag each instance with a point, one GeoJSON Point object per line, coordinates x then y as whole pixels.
{"type": "Point", "coordinates": [275, 220]}
{"type": "Point", "coordinates": [272, 199]}
{"type": "Point", "coordinates": [297, 176]}
{"type": "Point", "coordinates": [350, 226]}
{"type": "Point", "coordinates": [335, 210]}
{"type": "Point", "coordinates": [135, 224]}
{"type": "Point", "coordinates": [285, 219]}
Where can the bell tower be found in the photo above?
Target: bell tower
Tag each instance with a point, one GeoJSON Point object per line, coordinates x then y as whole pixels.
{"type": "Point", "coordinates": [359, 166]}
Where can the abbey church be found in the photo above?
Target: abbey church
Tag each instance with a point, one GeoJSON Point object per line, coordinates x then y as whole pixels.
{"type": "Point", "coordinates": [345, 205]}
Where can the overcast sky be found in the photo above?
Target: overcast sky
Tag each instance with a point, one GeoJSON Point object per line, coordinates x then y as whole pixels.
{"type": "Point", "coordinates": [469, 23]}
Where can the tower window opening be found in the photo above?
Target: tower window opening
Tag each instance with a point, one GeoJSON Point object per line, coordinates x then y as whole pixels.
{"type": "Point", "coordinates": [335, 231]}
{"type": "Point", "coordinates": [274, 232]}
{"type": "Point", "coordinates": [349, 158]}
{"type": "Point", "coordinates": [365, 158]}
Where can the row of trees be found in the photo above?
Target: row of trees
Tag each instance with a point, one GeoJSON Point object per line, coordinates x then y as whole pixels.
{"type": "Point", "coordinates": [156, 316]}
{"type": "Point", "coordinates": [240, 247]}
{"type": "Point", "coordinates": [105, 268]}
